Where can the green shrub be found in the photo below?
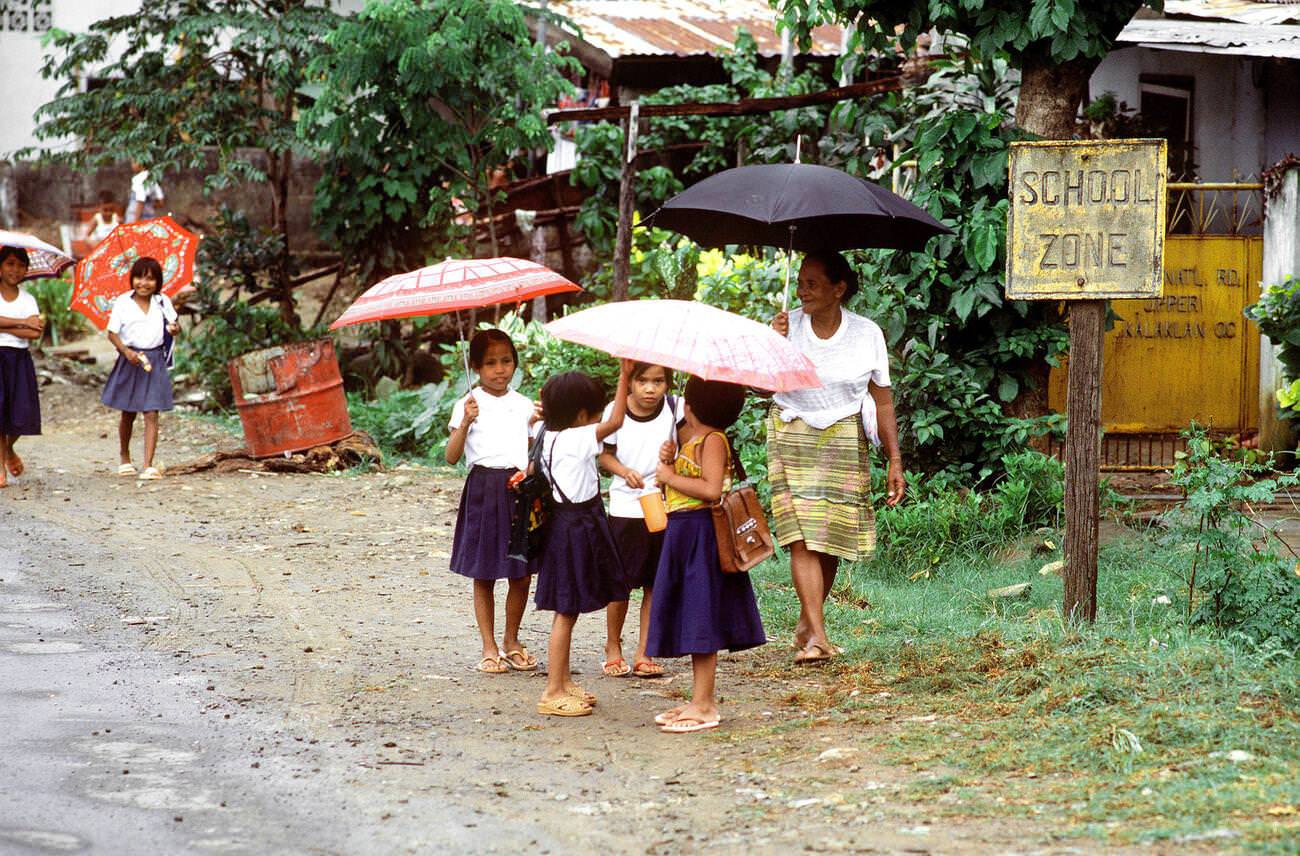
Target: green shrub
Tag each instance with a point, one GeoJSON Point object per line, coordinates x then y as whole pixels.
{"type": "Point", "coordinates": [408, 422]}
{"type": "Point", "coordinates": [941, 521]}
{"type": "Point", "coordinates": [1235, 580]}
{"type": "Point", "coordinates": [53, 296]}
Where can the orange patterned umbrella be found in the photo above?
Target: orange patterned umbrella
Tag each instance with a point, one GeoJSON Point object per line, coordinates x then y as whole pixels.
{"type": "Point", "coordinates": [106, 273]}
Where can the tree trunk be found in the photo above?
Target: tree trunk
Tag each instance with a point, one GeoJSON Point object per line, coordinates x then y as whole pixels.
{"type": "Point", "coordinates": [1050, 94]}
{"type": "Point", "coordinates": [288, 309]}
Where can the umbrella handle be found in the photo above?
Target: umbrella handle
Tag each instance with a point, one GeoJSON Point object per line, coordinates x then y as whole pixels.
{"type": "Point", "coordinates": [789, 258]}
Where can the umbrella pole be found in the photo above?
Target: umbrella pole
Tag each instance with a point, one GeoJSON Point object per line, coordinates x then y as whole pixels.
{"type": "Point", "coordinates": [463, 346]}
{"type": "Point", "coordinates": [789, 258]}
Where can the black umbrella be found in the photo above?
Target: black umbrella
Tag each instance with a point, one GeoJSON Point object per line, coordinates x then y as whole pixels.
{"type": "Point", "coordinates": [795, 206]}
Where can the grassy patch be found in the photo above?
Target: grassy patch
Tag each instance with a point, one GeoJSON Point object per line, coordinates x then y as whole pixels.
{"type": "Point", "coordinates": [1130, 730]}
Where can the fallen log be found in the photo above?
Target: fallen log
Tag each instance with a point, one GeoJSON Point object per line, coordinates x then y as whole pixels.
{"type": "Point", "coordinates": [356, 449]}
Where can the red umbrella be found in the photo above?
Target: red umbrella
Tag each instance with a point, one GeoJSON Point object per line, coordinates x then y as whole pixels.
{"type": "Point", "coordinates": [692, 337]}
{"type": "Point", "coordinates": [106, 273]}
{"type": "Point", "coordinates": [453, 285]}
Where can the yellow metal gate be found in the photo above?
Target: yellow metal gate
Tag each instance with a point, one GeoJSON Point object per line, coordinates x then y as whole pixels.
{"type": "Point", "coordinates": [1189, 355]}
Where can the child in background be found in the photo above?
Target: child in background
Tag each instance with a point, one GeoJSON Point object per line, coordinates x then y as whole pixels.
{"type": "Point", "coordinates": [20, 324]}
{"type": "Point", "coordinates": [489, 426]}
{"type": "Point", "coordinates": [139, 381]}
{"type": "Point", "coordinates": [578, 569]}
{"type": "Point", "coordinates": [631, 455]}
{"type": "Point", "coordinates": [699, 610]}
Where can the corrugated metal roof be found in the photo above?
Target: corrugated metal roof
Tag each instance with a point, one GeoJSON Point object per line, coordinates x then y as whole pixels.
{"type": "Point", "coordinates": [681, 27]}
{"type": "Point", "coordinates": [1277, 40]}
{"type": "Point", "coordinates": [1241, 11]}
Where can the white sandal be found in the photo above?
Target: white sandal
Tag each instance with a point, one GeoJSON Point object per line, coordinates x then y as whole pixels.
{"type": "Point", "coordinates": [126, 469]}
{"type": "Point", "coordinates": [149, 474]}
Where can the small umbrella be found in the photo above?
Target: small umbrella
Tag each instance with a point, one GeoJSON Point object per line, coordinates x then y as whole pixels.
{"type": "Point", "coordinates": [451, 286]}
{"type": "Point", "coordinates": [46, 260]}
{"type": "Point", "coordinates": [106, 273]}
{"type": "Point", "coordinates": [797, 206]}
{"type": "Point", "coordinates": [692, 337]}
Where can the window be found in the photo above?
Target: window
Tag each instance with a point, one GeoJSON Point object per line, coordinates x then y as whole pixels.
{"type": "Point", "coordinates": [1166, 109]}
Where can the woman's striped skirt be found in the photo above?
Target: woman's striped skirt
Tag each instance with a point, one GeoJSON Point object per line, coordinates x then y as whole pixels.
{"type": "Point", "coordinates": [820, 486]}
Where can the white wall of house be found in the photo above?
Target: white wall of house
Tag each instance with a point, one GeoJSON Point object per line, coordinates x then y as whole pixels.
{"type": "Point", "coordinates": [1246, 111]}
{"type": "Point", "coordinates": [21, 58]}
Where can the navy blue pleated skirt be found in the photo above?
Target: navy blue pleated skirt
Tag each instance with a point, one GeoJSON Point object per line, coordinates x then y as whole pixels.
{"type": "Point", "coordinates": [478, 549]}
{"type": "Point", "coordinates": [697, 609]}
{"type": "Point", "coordinates": [578, 569]}
{"type": "Point", "coordinates": [20, 403]}
{"type": "Point", "coordinates": [639, 549]}
{"type": "Point", "coordinates": [131, 389]}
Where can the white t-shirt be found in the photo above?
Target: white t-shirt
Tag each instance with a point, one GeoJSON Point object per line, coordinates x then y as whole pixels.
{"type": "Point", "coordinates": [23, 306]}
{"type": "Point", "coordinates": [638, 443]}
{"type": "Point", "coordinates": [853, 356]}
{"type": "Point", "coordinates": [137, 329]}
{"type": "Point", "coordinates": [569, 460]}
{"type": "Point", "coordinates": [499, 436]}
{"type": "Point", "coordinates": [144, 188]}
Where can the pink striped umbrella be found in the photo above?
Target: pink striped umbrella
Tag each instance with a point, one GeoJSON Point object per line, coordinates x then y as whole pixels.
{"type": "Point", "coordinates": [692, 337]}
{"type": "Point", "coordinates": [453, 285]}
{"type": "Point", "coordinates": [46, 260]}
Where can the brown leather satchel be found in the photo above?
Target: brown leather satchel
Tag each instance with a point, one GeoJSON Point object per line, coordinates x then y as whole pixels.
{"type": "Point", "coordinates": [741, 528]}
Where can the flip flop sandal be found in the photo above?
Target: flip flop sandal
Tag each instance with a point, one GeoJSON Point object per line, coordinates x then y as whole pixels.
{"type": "Point", "coordinates": [149, 474]}
{"type": "Point", "coordinates": [520, 660]}
{"type": "Point", "coordinates": [616, 668]}
{"type": "Point", "coordinates": [126, 469]}
{"type": "Point", "coordinates": [491, 666]}
{"type": "Point", "coordinates": [669, 715]}
{"type": "Point", "coordinates": [648, 669]}
{"type": "Point", "coordinates": [821, 658]}
{"type": "Point", "coordinates": [564, 706]}
{"type": "Point", "coordinates": [583, 696]}
{"type": "Point", "coordinates": [689, 726]}
{"type": "Point", "coordinates": [16, 467]}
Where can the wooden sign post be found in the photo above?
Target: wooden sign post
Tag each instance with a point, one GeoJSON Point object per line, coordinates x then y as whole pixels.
{"type": "Point", "coordinates": [1086, 223]}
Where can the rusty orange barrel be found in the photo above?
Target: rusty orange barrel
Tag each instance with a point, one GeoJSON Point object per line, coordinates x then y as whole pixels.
{"type": "Point", "coordinates": [290, 398]}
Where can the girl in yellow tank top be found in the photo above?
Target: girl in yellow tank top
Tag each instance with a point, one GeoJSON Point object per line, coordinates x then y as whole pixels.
{"type": "Point", "coordinates": [697, 609]}
{"type": "Point", "coordinates": [687, 464]}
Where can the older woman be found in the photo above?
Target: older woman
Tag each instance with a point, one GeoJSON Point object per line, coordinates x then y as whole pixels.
{"type": "Point", "coordinates": [817, 444]}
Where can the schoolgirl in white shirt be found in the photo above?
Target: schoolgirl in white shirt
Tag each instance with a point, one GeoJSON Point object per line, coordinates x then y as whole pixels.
{"type": "Point", "coordinates": [631, 455]}
{"type": "Point", "coordinates": [579, 568]}
{"type": "Point", "coordinates": [489, 428]}
{"type": "Point", "coordinates": [20, 324]}
{"type": "Point", "coordinates": [139, 325]}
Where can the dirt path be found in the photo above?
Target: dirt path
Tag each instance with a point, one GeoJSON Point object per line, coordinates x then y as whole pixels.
{"type": "Point", "coordinates": [320, 615]}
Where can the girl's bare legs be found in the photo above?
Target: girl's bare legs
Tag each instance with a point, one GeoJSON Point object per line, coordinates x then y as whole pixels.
{"type": "Point", "coordinates": [704, 701]}
{"type": "Point", "coordinates": [615, 617]}
{"type": "Point", "coordinates": [643, 632]}
{"type": "Point", "coordinates": [558, 680]}
{"type": "Point", "coordinates": [485, 615]}
{"type": "Point", "coordinates": [14, 464]}
{"type": "Point", "coordinates": [6, 449]}
{"type": "Point", "coordinates": [125, 425]}
{"type": "Point", "coordinates": [516, 603]}
{"type": "Point", "coordinates": [150, 437]}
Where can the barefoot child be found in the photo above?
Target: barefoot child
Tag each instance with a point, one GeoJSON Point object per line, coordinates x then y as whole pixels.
{"type": "Point", "coordinates": [138, 326]}
{"type": "Point", "coordinates": [20, 324]}
{"type": "Point", "coordinates": [631, 455]}
{"type": "Point", "coordinates": [578, 569]}
{"type": "Point", "coordinates": [489, 426]}
{"type": "Point", "coordinates": [699, 610]}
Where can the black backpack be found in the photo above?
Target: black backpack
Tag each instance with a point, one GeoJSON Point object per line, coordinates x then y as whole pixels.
{"type": "Point", "coordinates": [531, 509]}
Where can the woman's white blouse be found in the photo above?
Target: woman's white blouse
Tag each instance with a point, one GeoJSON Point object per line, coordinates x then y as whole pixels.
{"type": "Point", "coordinates": [854, 356]}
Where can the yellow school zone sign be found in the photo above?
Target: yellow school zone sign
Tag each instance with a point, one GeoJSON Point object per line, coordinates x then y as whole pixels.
{"type": "Point", "coordinates": [1087, 219]}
